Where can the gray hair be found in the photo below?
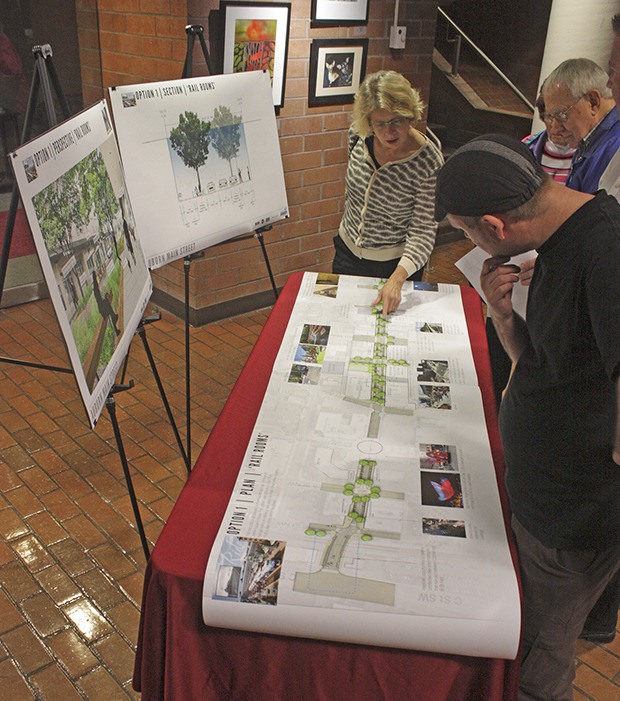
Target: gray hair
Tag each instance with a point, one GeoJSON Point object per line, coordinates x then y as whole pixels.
{"type": "Point", "coordinates": [579, 75]}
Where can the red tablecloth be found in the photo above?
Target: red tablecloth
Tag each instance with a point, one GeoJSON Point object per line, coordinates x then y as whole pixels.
{"type": "Point", "coordinates": [181, 659]}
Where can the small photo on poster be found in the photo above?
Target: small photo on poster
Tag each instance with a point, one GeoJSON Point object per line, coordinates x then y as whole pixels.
{"type": "Point", "coordinates": [439, 489]}
{"type": "Point", "coordinates": [428, 327]}
{"type": "Point", "coordinates": [433, 371]}
{"type": "Point", "coordinates": [443, 526]}
{"type": "Point", "coordinates": [434, 396]}
{"type": "Point", "coordinates": [315, 334]}
{"type": "Point", "coordinates": [308, 353]}
{"type": "Point", "coordinates": [326, 285]}
{"type": "Point", "coordinates": [435, 456]}
{"type": "Point", "coordinates": [248, 570]}
{"type": "Point", "coordinates": [425, 286]}
{"type": "Point", "coordinates": [304, 374]}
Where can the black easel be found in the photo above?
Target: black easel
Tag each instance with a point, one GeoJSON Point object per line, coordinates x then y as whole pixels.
{"type": "Point", "coordinates": [142, 333]}
{"type": "Point", "coordinates": [193, 31]}
{"type": "Point", "coordinates": [110, 403]}
{"type": "Point", "coordinates": [43, 71]}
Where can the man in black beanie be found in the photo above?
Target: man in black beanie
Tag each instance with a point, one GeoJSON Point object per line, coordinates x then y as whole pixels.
{"type": "Point", "coordinates": [559, 418]}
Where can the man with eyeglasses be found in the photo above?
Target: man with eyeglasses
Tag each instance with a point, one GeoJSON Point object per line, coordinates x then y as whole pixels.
{"type": "Point", "coordinates": [579, 108]}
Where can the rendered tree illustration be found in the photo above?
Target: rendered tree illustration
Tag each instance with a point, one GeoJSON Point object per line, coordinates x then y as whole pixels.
{"type": "Point", "coordinates": [226, 136]}
{"type": "Point", "coordinates": [83, 191]}
{"type": "Point", "coordinates": [98, 193]}
{"type": "Point", "coordinates": [191, 141]}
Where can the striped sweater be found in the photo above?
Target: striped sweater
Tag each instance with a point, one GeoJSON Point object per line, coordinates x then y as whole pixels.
{"type": "Point", "coordinates": [389, 211]}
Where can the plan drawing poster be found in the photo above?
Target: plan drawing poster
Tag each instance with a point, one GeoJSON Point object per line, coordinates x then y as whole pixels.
{"type": "Point", "coordinates": [73, 189]}
{"type": "Point", "coordinates": [366, 509]}
{"type": "Point", "coordinates": [202, 160]}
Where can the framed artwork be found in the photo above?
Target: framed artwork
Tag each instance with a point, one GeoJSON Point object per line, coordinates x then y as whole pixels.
{"type": "Point", "coordinates": [256, 39]}
{"type": "Point", "coordinates": [326, 13]}
{"type": "Point", "coordinates": [337, 67]}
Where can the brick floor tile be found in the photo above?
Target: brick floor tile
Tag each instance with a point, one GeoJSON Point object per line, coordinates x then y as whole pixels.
{"type": "Point", "coordinates": [44, 615]}
{"type": "Point", "coordinates": [9, 479]}
{"type": "Point", "coordinates": [126, 617]}
{"type": "Point", "coordinates": [9, 615]}
{"type": "Point", "coordinates": [17, 581]}
{"type": "Point", "coordinates": [24, 405]}
{"type": "Point", "coordinates": [57, 502]}
{"type": "Point", "coordinates": [16, 457]}
{"type": "Point", "coordinates": [24, 501]}
{"type": "Point", "coordinates": [108, 486]}
{"type": "Point", "coordinates": [84, 531]}
{"type": "Point", "coordinates": [591, 682]}
{"type": "Point", "coordinates": [6, 438]}
{"type": "Point", "coordinates": [32, 553]}
{"type": "Point", "coordinates": [73, 653]}
{"type": "Point", "coordinates": [100, 684]}
{"type": "Point", "coordinates": [599, 657]}
{"type": "Point", "coordinates": [100, 589]}
{"type": "Point", "coordinates": [87, 619]}
{"type": "Point", "coordinates": [73, 483]}
{"type": "Point", "coordinates": [114, 562]}
{"type": "Point", "coordinates": [46, 527]}
{"type": "Point", "coordinates": [118, 657]}
{"type": "Point", "coordinates": [13, 684]}
{"type": "Point", "coordinates": [7, 554]}
{"type": "Point", "coordinates": [37, 480]}
{"type": "Point", "coordinates": [12, 525]}
{"type": "Point", "coordinates": [132, 584]}
{"type": "Point", "coordinates": [26, 649]}
{"type": "Point", "coordinates": [53, 685]}
{"type": "Point", "coordinates": [70, 554]}
{"type": "Point", "coordinates": [97, 508]}
{"type": "Point", "coordinates": [61, 588]}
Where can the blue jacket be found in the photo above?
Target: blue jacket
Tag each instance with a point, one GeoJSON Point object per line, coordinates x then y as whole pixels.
{"type": "Point", "coordinates": [594, 153]}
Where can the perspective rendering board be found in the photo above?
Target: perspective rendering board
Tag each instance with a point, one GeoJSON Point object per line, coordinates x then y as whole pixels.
{"type": "Point", "coordinates": [73, 189]}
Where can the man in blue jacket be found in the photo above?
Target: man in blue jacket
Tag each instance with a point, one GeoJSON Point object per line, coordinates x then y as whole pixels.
{"type": "Point", "coordinates": [579, 106]}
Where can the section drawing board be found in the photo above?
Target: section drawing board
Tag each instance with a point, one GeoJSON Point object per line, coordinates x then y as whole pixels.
{"type": "Point", "coordinates": [367, 508]}
{"type": "Point", "coordinates": [73, 189]}
{"type": "Point", "coordinates": [202, 160]}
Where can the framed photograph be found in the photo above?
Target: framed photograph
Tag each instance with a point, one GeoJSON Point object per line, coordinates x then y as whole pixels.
{"type": "Point", "coordinates": [256, 39]}
{"type": "Point", "coordinates": [337, 67]}
{"type": "Point", "coordinates": [334, 13]}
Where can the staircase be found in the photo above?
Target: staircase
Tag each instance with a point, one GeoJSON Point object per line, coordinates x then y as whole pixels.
{"type": "Point", "coordinates": [469, 95]}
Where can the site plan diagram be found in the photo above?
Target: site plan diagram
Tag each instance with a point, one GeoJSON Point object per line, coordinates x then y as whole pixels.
{"type": "Point", "coordinates": [366, 509]}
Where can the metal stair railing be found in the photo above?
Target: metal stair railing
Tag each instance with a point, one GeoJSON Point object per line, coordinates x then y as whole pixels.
{"type": "Point", "coordinates": [459, 35]}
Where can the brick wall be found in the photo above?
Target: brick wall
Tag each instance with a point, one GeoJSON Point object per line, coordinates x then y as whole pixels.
{"type": "Point", "coordinates": [143, 40]}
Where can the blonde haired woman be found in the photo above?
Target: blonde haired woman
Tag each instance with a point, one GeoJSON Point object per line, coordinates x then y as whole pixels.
{"type": "Point", "coordinates": [388, 227]}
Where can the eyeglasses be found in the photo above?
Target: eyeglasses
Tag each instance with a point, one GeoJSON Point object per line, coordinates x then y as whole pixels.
{"type": "Point", "coordinates": [395, 123]}
{"type": "Point", "coordinates": [561, 115]}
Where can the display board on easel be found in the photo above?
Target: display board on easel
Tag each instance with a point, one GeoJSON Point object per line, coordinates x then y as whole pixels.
{"type": "Point", "coordinates": [73, 190]}
{"type": "Point", "coordinates": [202, 160]}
